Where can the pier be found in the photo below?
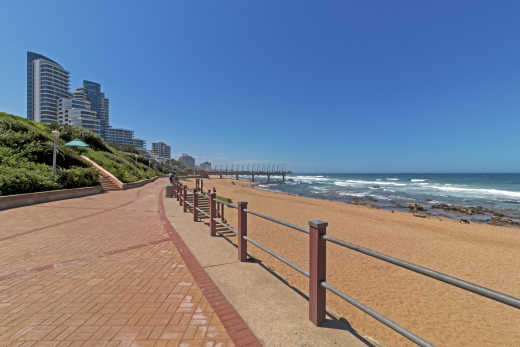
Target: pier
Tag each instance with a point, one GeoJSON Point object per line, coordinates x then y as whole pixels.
{"type": "Point", "coordinates": [269, 171]}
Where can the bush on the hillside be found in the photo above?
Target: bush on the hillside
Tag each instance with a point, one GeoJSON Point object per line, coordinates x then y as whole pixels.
{"type": "Point", "coordinates": [30, 178]}
{"type": "Point", "coordinates": [78, 177]}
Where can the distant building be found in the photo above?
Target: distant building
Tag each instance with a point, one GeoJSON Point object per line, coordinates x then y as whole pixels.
{"type": "Point", "coordinates": [98, 103]}
{"type": "Point", "coordinates": [161, 151]}
{"type": "Point", "coordinates": [205, 166]}
{"type": "Point", "coordinates": [187, 160]}
{"type": "Point", "coordinates": [139, 144]}
{"type": "Point", "coordinates": [119, 136]}
{"type": "Point", "coordinates": [46, 82]}
{"type": "Point", "coordinates": [76, 110]}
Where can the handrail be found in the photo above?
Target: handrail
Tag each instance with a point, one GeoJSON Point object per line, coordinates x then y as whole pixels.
{"type": "Point", "coordinates": [391, 324]}
{"type": "Point", "coordinates": [475, 288]}
{"type": "Point", "coordinates": [279, 221]}
{"type": "Point", "coordinates": [229, 227]}
{"type": "Point", "coordinates": [202, 211]}
{"type": "Point", "coordinates": [277, 256]}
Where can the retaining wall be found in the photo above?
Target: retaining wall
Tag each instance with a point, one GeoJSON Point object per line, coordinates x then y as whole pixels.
{"type": "Point", "coordinates": [18, 200]}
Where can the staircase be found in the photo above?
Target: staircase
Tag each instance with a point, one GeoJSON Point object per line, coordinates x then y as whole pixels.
{"type": "Point", "coordinates": [106, 179]}
{"type": "Point", "coordinates": [107, 183]}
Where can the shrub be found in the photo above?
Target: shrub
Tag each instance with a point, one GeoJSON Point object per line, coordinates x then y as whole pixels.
{"type": "Point", "coordinates": [30, 178]}
{"type": "Point", "coordinates": [78, 177]}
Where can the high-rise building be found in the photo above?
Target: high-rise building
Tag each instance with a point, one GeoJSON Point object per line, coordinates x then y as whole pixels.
{"type": "Point", "coordinates": [76, 110]}
{"type": "Point", "coordinates": [99, 104]}
{"type": "Point", "coordinates": [139, 144]}
{"type": "Point", "coordinates": [205, 166]}
{"type": "Point", "coordinates": [119, 136]}
{"type": "Point", "coordinates": [46, 82]}
{"type": "Point", "coordinates": [161, 151]}
{"type": "Point", "coordinates": [187, 160]}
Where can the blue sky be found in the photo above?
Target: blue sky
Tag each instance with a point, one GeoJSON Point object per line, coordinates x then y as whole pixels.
{"type": "Point", "coordinates": [335, 86]}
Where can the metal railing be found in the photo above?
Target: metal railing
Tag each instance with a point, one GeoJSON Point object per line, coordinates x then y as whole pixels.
{"type": "Point", "coordinates": [316, 274]}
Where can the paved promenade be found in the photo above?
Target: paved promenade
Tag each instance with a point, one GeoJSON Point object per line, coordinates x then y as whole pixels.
{"type": "Point", "coordinates": [106, 270]}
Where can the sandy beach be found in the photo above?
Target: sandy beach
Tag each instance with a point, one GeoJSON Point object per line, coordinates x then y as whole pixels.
{"type": "Point", "coordinates": [442, 314]}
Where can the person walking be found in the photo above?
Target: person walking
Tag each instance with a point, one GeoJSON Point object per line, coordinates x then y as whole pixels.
{"type": "Point", "coordinates": [171, 176]}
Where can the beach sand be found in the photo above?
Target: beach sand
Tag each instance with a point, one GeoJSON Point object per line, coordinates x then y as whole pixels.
{"type": "Point", "coordinates": [442, 314]}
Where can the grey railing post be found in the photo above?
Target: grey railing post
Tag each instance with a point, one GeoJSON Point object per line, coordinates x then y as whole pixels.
{"type": "Point", "coordinates": [317, 271]}
{"type": "Point", "coordinates": [195, 206]}
{"type": "Point", "coordinates": [242, 230]}
{"type": "Point", "coordinates": [184, 195]}
{"type": "Point", "coordinates": [212, 214]}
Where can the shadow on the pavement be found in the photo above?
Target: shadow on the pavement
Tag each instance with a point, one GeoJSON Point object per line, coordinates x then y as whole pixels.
{"type": "Point", "coordinates": [332, 322]}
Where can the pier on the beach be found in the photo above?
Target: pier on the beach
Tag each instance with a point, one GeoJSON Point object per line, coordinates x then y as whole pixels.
{"type": "Point", "coordinates": [246, 171]}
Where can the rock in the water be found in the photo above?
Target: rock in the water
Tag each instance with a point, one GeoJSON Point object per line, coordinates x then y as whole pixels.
{"type": "Point", "coordinates": [463, 221]}
{"type": "Point", "coordinates": [415, 207]}
{"type": "Point", "coordinates": [420, 214]}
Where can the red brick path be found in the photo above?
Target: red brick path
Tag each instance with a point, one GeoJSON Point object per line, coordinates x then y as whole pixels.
{"type": "Point", "coordinates": [101, 271]}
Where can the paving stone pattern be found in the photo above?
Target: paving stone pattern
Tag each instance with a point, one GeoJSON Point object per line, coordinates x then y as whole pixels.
{"type": "Point", "coordinates": [102, 271]}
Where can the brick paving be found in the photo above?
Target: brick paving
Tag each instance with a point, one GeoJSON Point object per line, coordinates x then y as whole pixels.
{"type": "Point", "coordinates": [107, 270]}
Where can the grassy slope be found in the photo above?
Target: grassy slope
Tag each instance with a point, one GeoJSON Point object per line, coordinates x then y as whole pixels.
{"type": "Point", "coordinates": [26, 158]}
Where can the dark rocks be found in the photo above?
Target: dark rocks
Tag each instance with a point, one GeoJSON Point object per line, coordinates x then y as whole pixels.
{"type": "Point", "coordinates": [468, 210]}
{"type": "Point", "coordinates": [420, 214]}
{"type": "Point", "coordinates": [464, 221]}
{"type": "Point", "coordinates": [415, 207]}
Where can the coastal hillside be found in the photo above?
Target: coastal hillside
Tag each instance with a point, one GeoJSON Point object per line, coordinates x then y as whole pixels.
{"type": "Point", "coordinates": [26, 158]}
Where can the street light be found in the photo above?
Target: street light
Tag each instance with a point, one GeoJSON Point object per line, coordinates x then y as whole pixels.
{"type": "Point", "coordinates": [56, 134]}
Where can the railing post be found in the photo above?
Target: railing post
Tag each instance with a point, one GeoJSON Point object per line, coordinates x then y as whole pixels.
{"type": "Point", "coordinates": [317, 271]}
{"type": "Point", "coordinates": [179, 196]}
{"type": "Point", "coordinates": [195, 205]}
{"type": "Point", "coordinates": [212, 214]}
{"type": "Point", "coordinates": [242, 231]}
{"type": "Point", "coordinates": [201, 185]}
{"type": "Point", "coordinates": [184, 195]}
{"type": "Point", "coordinates": [222, 212]}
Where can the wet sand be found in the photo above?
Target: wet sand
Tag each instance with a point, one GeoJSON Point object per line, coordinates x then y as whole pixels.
{"type": "Point", "coordinates": [440, 313]}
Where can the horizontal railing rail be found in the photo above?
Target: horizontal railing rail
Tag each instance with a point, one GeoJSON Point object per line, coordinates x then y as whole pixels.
{"type": "Point", "coordinates": [317, 255]}
{"type": "Point", "coordinates": [475, 288]}
{"type": "Point", "coordinates": [279, 221]}
{"type": "Point", "coordinates": [277, 256]}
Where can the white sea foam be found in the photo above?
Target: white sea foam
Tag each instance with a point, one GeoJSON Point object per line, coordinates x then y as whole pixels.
{"type": "Point", "coordinates": [418, 180]}
{"type": "Point", "coordinates": [347, 183]}
{"type": "Point", "coordinates": [392, 179]}
{"type": "Point", "coordinates": [476, 191]}
{"type": "Point", "coordinates": [310, 179]}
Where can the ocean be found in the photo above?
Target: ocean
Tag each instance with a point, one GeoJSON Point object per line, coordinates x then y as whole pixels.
{"type": "Point", "coordinates": [496, 194]}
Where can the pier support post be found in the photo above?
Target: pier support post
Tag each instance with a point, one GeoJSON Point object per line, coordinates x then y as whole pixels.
{"type": "Point", "coordinates": [317, 271]}
{"type": "Point", "coordinates": [184, 195]}
{"type": "Point", "coordinates": [268, 178]}
{"type": "Point", "coordinates": [242, 231]}
{"type": "Point", "coordinates": [212, 214]}
{"type": "Point", "coordinates": [253, 178]}
{"type": "Point", "coordinates": [195, 206]}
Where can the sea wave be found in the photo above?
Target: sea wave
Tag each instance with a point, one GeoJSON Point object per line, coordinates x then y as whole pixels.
{"type": "Point", "coordinates": [418, 180]}
{"type": "Point", "coordinates": [392, 179]}
{"type": "Point", "coordinates": [346, 183]}
{"type": "Point", "coordinates": [478, 191]}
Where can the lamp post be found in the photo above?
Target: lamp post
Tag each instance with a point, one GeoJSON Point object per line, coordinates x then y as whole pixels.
{"type": "Point", "coordinates": [56, 134]}
{"type": "Point", "coordinates": [135, 168]}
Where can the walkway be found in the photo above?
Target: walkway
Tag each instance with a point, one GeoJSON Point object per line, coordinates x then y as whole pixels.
{"type": "Point", "coordinates": [106, 270]}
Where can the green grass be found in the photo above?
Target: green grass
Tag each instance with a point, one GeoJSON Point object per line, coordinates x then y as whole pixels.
{"type": "Point", "coordinates": [26, 158]}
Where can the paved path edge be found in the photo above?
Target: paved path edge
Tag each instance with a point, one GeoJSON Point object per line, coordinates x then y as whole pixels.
{"type": "Point", "coordinates": [236, 327]}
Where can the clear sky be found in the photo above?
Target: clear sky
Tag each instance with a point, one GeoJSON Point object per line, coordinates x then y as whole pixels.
{"type": "Point", "coordinates": [334, 86]}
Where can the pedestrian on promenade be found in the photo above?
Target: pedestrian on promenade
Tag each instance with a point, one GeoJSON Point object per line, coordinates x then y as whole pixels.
{"type": "Point", "coordinates": [171, 176]}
